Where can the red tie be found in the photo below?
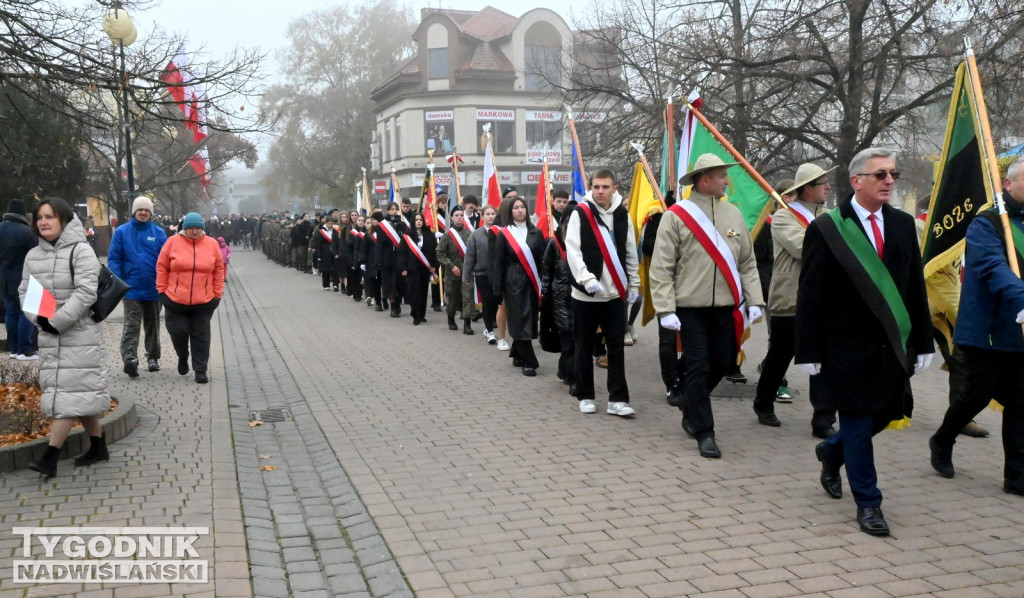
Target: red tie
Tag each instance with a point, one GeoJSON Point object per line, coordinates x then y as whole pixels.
{"type": "Point", "coordinates": [879, 243]}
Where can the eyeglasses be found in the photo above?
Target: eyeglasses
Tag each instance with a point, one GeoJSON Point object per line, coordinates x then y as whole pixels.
{"type": "Point", "coordinates": [820, 183]}
{"type": "Point", "coordinates": [882, 174]}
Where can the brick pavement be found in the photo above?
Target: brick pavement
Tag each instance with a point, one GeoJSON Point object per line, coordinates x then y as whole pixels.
{"type": "Point", "coordinates": [486, 483]}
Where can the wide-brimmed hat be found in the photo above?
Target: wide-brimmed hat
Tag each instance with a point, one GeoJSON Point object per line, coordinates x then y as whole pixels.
{"type": "Point", "coordinates": [706, 162]}
{"type": "Point", "coordinates": [807, 173]}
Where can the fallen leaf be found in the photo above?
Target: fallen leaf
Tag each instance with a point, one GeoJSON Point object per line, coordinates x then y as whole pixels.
{"type": "Point", "coordinates": [268, 467]}
{"type": "Point", "coordinates": [264, 456]}
{"type": "Point", "coordinates": [254, 424]}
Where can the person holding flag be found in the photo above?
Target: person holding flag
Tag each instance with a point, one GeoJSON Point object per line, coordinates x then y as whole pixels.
{"type": "Point", "coordinates": [704, 282]}
{"type": "Point", "coordinates": [862, 324]}
{"type": "Point", "coordinates": [988, 332]}
{"type": "Point", "coordinates": [810, 189]}
{"type": "Point", "coordinates": [451, 252]}
{"type": "Point", "coordinates": [600, 248]}
{"type": "Point", "coordinates": [518, 250]}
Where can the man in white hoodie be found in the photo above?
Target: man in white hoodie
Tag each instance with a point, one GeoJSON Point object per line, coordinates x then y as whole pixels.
{"type": "Point", "coordinates": [601, 251]}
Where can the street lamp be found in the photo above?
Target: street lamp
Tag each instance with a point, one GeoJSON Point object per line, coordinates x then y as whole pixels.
{"type": "Point", "coordinates": [121, 30]}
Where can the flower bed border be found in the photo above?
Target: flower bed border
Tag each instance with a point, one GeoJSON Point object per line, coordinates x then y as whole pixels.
{"type": "Point", "coordinates": [115, 425]}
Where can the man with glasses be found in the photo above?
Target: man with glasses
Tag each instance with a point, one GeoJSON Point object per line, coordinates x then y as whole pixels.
{"type": "Point", "coordinates": [810, 189]}
{"type": "Point", "coordinates": [862, 325]}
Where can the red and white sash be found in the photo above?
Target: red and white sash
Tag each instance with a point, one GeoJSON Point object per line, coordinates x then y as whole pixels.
{"type": "Point", "coordinates": [356, 234]}
{"type": "Point", "coordinates": [325, 234]}
{"type": "Point", "coordinates": [608, 253]}
{"type": "Point", "coordinates": [525, 259]}
{"type": "Point", "coordinates": [711, 240]}
{"type": "Point", "coordinates": [467, 223]}
{"type": "Point", "coordinates": [803, 215]}
{"type": "Point", "coordinates": [415, 249]}
{"type": "Point", "coordinates": [390, 232]}
{"type": "Point", "coordinates": [458, 242]}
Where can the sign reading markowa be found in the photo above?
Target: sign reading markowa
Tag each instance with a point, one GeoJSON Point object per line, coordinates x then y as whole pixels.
{"type": "Point", "coordinates": [111, 555]}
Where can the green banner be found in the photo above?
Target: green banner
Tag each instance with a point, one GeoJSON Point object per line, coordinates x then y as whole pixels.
{"type": "Point", "coordinates": [743, 192]}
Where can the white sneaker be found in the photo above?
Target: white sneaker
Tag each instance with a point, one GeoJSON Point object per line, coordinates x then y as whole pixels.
{"type": "Point", "coordinates": [32, 357]}
{"type": "Point", "coordinates": [632, 334]}
{"type": "Point", "coordinates": [503, 345]}
{"type": "Point", "coordinates": [628, 341]}
{"type": "Point", "coordinates": [491, 339]}
{"type": "Point", "coordinates": [620, 409]}
{"type": "Point", "coordinates": [588, 406]}
{"type": "Point", "coordinates": [15, 355]}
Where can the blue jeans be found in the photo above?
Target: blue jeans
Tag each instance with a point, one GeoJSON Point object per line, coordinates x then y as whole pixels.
{"type": "Point", "coordinates": [19, 329]}
{"type": "Point", "coordinates": [853, 443]}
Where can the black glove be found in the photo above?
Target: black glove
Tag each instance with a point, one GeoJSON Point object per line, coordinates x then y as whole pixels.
{"type": "Point", "coordinates": [46, 326]}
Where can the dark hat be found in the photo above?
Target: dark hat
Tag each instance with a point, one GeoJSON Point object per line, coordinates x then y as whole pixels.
{"type": "Point", "coordinates": [378, 216]}
{"type": "Point", "coordinates": [457, 209]}
{"type": "Point", "coordinates": [16, 206]}
{"type": "Point", "coordinates": [508, 190]}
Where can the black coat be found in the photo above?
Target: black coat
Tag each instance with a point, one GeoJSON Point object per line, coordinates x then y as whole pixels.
{"type": "Point", "coordinates": [353, 245]}
{"type": "Point", "coordinates": [556, 285]}
{"type": "Point", "coordinates": [412, 264]}
{"type": "Point", "coordinates": [16, 240]}
{"type": "Point", "coordinates": [390, 262]}
{"type": "Point", "coordinates": [512, 284]}
{"type": "Point", "coordinates": [368, 252]}
{"type": "Point", "coordinates": [836, 327]}
{"type": "Point", "coordinates": [323, 249]}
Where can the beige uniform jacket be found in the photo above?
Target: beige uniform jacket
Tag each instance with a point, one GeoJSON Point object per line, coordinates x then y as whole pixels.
{"type": "Point", "coordinates": [788, 239]}
{"type": "Point", "coordinates": [684, 275]}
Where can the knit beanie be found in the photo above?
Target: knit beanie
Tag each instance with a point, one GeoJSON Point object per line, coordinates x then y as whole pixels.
{"type": "Point", "coordinates": [142, 203]}
{"type": "Point", "coordinates": [193, 220]}
{"type": "Point", "coordinates": [16, 206]}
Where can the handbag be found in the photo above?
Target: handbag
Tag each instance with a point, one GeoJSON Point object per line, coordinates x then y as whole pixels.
{"type": "Point", "coordinates": [110, 290]}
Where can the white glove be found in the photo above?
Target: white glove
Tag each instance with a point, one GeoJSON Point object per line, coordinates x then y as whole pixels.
{"type": "Point", "coordinates": [670, 322]}
{"type": "Point", "coordinates": [594, 287]}
{"type": "Point", "coordinates": [438, 235]}
{"type": "Point", "coordinates": [1020, 317]}
{"type": "Point", "coordinates": [362, 267]}
{"type": "Point", "coordinates": [923, 361]}
{"type": "Point", "coordinates": [754, 313]}
{"type": "Point", "coordinates": [812, 369]}
{"type": "Point", "coordinates": [632, 297]}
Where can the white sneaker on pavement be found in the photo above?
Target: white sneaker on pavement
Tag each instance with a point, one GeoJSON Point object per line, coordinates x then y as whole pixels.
{"type": "Point", "coordinates": [631, 331]}
{"type": "Point", "coordinates": [32, 357]}
{"type": "Point", "coordinates": [588, 406]}
{"type": "Point", "coordinates": [503, 345]}
{"type": "Point", "coordinates": [490, 337]}
{"type": "Point", "coordinates": [620, 409]}
{"type": "Point", "coordinates": [628, 341]}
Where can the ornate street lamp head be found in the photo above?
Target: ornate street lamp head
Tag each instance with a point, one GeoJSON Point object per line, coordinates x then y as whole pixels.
{"type": "Point", "coordinates": [118, 25]}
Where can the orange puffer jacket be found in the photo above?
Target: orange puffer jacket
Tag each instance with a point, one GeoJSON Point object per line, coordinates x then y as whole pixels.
{"type": "Point", "coordinates": [190, 272]}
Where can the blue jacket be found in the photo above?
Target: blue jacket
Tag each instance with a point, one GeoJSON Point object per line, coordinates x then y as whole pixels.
{"type": "Point", "coordinates": [16, 240]}
{"type": "Point", "coordinates": [992, 295]}
{"type": "Point", "coordinates": [132, 256]}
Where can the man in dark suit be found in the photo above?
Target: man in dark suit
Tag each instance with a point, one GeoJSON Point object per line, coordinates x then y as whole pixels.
{"type": "Point", "coordinates": [862, 322]}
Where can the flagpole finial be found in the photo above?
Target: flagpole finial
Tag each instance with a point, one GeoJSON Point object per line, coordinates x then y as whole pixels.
{"type": "Point", "coordinates": [967, 45]}
{"type": "Point", "coordinates": [430, 153]}
{"type": "Point", "coordinates": [363, 168]}
{"type": "Point", "coordinates": [568, 111]}
{"type": "Point", "coordinates": [639, 148]}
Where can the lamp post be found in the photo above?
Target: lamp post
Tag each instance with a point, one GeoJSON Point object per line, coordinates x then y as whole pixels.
{"type": "Point", "coordinates": [121, 30]}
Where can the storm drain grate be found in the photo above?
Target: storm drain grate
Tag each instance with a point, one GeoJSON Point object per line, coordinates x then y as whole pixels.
{"type": "Point", "coordinates": [269, 415]}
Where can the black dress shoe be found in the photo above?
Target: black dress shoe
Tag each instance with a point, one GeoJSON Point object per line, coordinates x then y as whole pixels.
{"type": "Point", "coordinates": [708, 448]}
{"type": "Point", "coordinates": [872, 521]}
{"type": "Point", "coordinates": [201, 378]}
{"type": "Point", "coordinates": [183, 365]}
{"type": "Point", "coordinates": [688, 427]}
{"type": "Point", "coordinates": [573, 390]}
{"type": "Point", "coordinates": [823, 433]}
{"type": "Point", "coordinates": [528, 371]}
{"type": "Point", "coordinates": [942, 458]}
{"type": "Point", "coordinates": [768, 419]}
{"type": "Point", "coordinates": [378, 308]}
{"type": "Point", "coordinates": [1013, 489]}
{"type": "Point", "coordinates": [437, 308]}
{"type": "Point", "coordinates": [831, 481]}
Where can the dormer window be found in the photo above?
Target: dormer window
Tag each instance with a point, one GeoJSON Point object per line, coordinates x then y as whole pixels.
{"type": "Point", "coordinates": [437, 52]}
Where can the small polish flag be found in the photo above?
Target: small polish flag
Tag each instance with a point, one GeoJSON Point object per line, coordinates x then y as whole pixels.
{"type": "Point", "coordinates": [38, 300]}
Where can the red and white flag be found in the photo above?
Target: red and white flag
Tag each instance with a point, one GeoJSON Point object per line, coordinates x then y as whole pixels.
{"type": "Point", "coordinates": [38, 300]}
{"type": "Point", "coordinates": [200, 162]}
{"type": "Point", "coordinates": [541, 208]}
{"type": "Point", "coordinates": [491, 191]}
{"type": "Point", "coordinates": [178, 79]}
{"type": "Point", "coordinates": [689, 128]}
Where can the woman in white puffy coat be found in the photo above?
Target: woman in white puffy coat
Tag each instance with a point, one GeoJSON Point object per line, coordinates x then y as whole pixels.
{"type": "Point", "coordinates": [71, 372]}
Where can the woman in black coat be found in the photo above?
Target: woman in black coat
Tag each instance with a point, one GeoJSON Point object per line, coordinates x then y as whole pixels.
{"type": "Point", "coordinates": [556, 286]}
{"type": "Point", "coordinates": [340, 272]}
{"type": "Point", "coordinates": [368, 261]}
{"type": "Point", "coordinates": [352, 241]}
{"type": "Point", "coordinates": [513, 283]}
{"type": "Point", "coordinates": [391, 282]}
{"type": "Point", "coordinates": [417, 276]}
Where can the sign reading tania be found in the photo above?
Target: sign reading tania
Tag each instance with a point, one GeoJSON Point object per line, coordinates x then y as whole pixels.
{"type": "Point", "coordinates": [543, 115]}
{"type": "Point", "coordinates": [432, 115]}
{"type": "Point", "coordinates": [495, 114]}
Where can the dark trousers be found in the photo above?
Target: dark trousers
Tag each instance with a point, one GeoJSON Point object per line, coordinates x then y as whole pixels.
{"type": "Point", "coordinates": [781, 348]}
{"type": "Point", "coordinates": [144, 314]}
{"type": "Point", "coordinates": [435, 295]}
{"type": "Point", "coordinates": [852, 445]}
{"type": "Point", "coordinates": [355, 287]}
{"type": "Point", "coordinates": [709, 353]}
{"type": "Point", "coordinates": [611, 317]}
{"type": "Point", "coordinates": [956, 365]}
{"type": "Point", "coordinates": [20, 332]}
{"type": "Point", "coordinates": [189, 325]}
{"type": "Point", "coordinates": [417, 287]}
{"type": "Point", "coordinates": [995, 375]}
{"type": "Point", "coordinates": [523, 351]}
{"type": "Point", "coordinates": [567, 358]}
{"type": "Point", "coordinates": [372, 287]}
{"type": "Point", "coordinates": [668, 356]}
{"type": "Point", "coordinates": [489, 300]}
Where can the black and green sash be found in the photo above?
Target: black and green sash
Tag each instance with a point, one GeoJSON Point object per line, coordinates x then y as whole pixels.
{"type": "Point", "coordinates": [861, 263]}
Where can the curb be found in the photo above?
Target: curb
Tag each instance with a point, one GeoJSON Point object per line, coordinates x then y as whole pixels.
{"type": "Point", "coordinates": [116, 426]}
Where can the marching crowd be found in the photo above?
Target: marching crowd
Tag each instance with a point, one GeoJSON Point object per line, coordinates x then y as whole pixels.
{"type": "Point", "coordinates": [843, 293]}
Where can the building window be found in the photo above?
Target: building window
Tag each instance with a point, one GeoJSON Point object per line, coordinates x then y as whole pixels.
{"type": "Point", "coordinates": [502, 123]}
{"type": "Point", "coordinates": [398, 137]}
{"type": "Point", "coordinates": [438, 63]}
{"type": "Point", "coordinates": [440, 130]}
{"type": "Point", "coordinates": [387, 141]}
{"type": "Point", "coordinates": [543, 57]}
{"type": "Point", "coordinates": [588, 129]}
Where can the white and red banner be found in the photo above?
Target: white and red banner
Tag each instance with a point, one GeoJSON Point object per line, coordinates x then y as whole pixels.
{"type": "Point", "coordinates": [525, 259]}
{"type": "Point", "coordinates": [458, 242]}
{"type": "Point", "coordinates": [38, 300]}
{"type": "Point", "coordinates": [390, 232]}
{"type": "Point", "coordinates": [541, 207]}
{"type": "Point", "coordinates": [608, 254]}
{"type": "Point", "coordinates": [491, 191]}
{"type": "Point", "coordinates": [689, 128]}
{"type": "Point", "coordinates": [415, 249]}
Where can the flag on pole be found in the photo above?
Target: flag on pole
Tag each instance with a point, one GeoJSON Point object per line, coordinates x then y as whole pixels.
{"type": "Point", "coordinates": [200, 163]}
{"type": "Point", "coordinates": [428, 199]}
{"type": "Point", "coordinates": [690, 123]}
{"type": "Point", "coordinates": [491, 191]}
{"type": "Point", "coordinates": [579, 186]}
{"type": "Point", "coordinates": [541, 208]}
{"type": "Point", "coordinates": [178, 79]}
{"type": "Point", "coordinates": [394, 189]}
{"type": "Point", "coordinates": [367, 206]}
{"type": "Point", "coordinates": [38, 300]}
{"type": "Point", "coordinates": [961, 187]}
{"type": "Point", "coordinates": [642, 200]}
